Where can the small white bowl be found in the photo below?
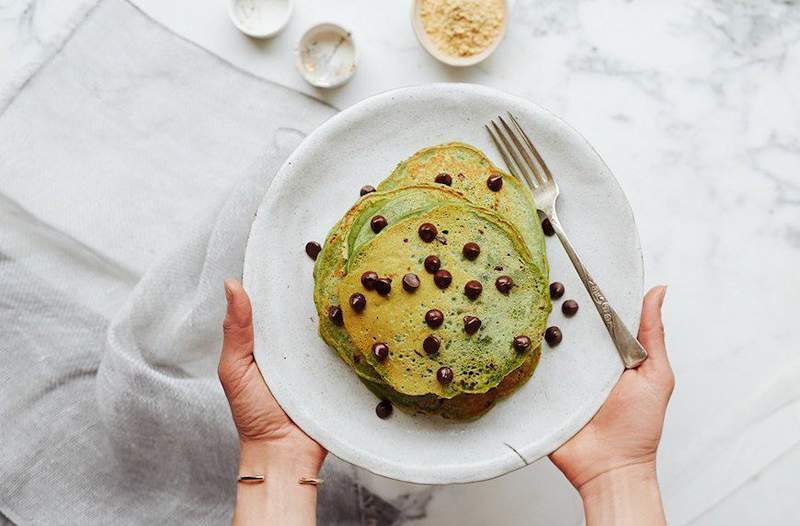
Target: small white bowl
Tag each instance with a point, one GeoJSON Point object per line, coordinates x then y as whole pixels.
{"type": "Point", "coordinates": [430, 46]}
{"type": "Point", "coordinates": [327, 56]}
{"type": "Point", "coordinates": [260, 18]}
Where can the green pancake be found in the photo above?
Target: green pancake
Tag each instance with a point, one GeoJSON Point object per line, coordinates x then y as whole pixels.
{"type": "Point", "coordinates": [480, 362]}
{"type": "Point", "coordinates": [470, 169]}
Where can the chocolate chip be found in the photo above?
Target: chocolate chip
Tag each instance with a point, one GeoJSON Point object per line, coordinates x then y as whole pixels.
{"type": "Point", "coordinates": [312, 249]}
{"type": "Point", "coordinates": [358, 302]}
{"type": "Point", "coordinates": [442, 278]}
{"type": "Point", "coordinates": [410, 282]}
{"type": "Point", "coordinates": [368, 279]}
{"type": "Point", "coordinates": [473, 289]}
{"type": "Point", "coordinates": [383, 409]}
{"type": "Point", "coordinates": [504, 284]}
{"type": "Point", "coordinates": [432, 264]}
{"type": "Point", "coordinates": [380, 351]}
{"type": "Point", "coordinates": [366, 189]}
{"type": "Point", "coordinates": [556, 290]}
{"type": "Point", "coordinates": [383, 286]}
{"type": "Point", "coordinates": [547, 227]}
{"type": "Point", "coordinates": [357, 358]}
{"type": "Point", "coordinates": [434, 318]}
{"type": "Point", "coordinates": [444, 178]}
{"type": "Point", "coordinates": [569, 308]}
{"type": "Point", "coordinates": [431, 344]}
{"type": "Point", "coordinates": [378, 223]}
{"type": "Point", "coordinates": [335, 315]}
{"type": "Point", "coordinates": [495, 182]}
{"type": "Point", "coordinates": [522, 343]}
{"type": "Point", "coordinates": [471, 324]}
{"type": "Point", "coordinates": [444, 375]}
{"type": "Point", "coordinates": [427, 232]}
{"type": "Point", "coordinates": [553, 336]}
{"type": "Point", "coordinates": [471, 251]}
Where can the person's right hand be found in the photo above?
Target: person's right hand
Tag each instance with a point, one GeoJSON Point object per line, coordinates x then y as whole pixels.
{"type": "Point", "coordinates": [625, 433]}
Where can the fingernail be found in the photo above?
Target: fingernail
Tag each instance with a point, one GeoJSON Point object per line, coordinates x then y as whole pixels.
{"type": "Point", "coordinates": [663, 295]}
{"type": "Point", "coordinates": [229, 289]}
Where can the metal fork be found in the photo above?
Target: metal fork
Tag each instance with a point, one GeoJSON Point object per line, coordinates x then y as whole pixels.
{"type": "Point", "coordinates": [524, 160]}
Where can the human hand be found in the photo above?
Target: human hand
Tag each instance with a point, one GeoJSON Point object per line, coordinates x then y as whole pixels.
{"type": "Point", "coordinates": [623, 436]}
{"type": "Point", "coordinates": [263, 426]}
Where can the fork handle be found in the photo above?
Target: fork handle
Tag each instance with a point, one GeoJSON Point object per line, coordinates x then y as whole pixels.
{"type": "Point", "coordinates": [629, 348]}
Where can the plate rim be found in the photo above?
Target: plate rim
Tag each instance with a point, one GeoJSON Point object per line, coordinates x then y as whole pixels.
{"type": "Point", "coordinates": [463, 473]}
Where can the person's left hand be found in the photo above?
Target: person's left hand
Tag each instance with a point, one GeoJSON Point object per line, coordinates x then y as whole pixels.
{"type": "Point", "coordinates": [261, 422]}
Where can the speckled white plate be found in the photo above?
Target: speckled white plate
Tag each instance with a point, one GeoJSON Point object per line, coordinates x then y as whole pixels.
{"type": "Point", "coordinates": [315, 187]}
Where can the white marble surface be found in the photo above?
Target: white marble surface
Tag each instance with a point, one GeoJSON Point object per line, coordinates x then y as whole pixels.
{"type": "Point", "coordinates": [694, 105]}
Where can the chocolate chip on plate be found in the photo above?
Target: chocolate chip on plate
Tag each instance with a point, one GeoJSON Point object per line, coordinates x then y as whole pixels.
{"type": "Point", "coordinates": [556, 290]}
{"type": "Point", "coordinates": [410, 282]}
{"type": "Point", "coordinates": [569, 308]}
{"type": "Point", "coordinates": [504, 284]}
{"type": "Point", "coordinates": [471, 324]}
{"type": "Point", "coordinates": [444, 178]}
{"type": "Point", "coordinates": [368, 279]}
{"type": "Point", "coordinates": [473, 289]}
{"type": "Point", "coordinates": [431, 344]}
{"type": "Point", "coordinates": [427, 232]}
{"type": "Point", "coordinates": [380, 351]}
{"type": "Point", "coordinates": [383, 409]}
{"type": "Point", "coordinates": [312, 249]}
{"type": "Point", "coordinates": [522, 343]}
{"type": "Point", "coordinates": [444, 375]}
{"type": "Point", "coordinates": [434, 318]}
{"type": "Point", "coordinates": [495, 182]}
{"type": "Point", "coordinates": [367, 189]}
{"type": "Point", "coordinates": [547, 227]}
{"type": "Point", "coordinates": [442, 278]}
{"type": "Point", "coordinates": [471, 250]}
{"type": "Point", "coordinates": [358, 302]}
{"type": "Point", "coordinates": [432, 264]}
{"type": "Point", "coordinates": [378, 223]}
{"type": "Point", "coordinates": [383, 286]}
{"type": "Point", "coordinates": [335, 315]}
{"type": "Point", "coordinates": [553, 336]}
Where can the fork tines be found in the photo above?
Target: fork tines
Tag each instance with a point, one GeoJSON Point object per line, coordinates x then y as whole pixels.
{"type": "Point", "coordinates": [518, 152]}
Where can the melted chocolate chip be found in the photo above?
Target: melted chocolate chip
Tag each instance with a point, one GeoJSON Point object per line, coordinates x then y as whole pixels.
{"type": "Point", "coordinates": [473, 289]}
{"type": "Point", "coordinates": [335, 315]}
{"type": "Point", "coordinates": [434, 318]}
{"type": "Point", "coordinates": [427, 232]}
{"type": "Point", "coordinates": [432, 264]}
{"type": "Point", "coordinates": [410, 282]}
{"type": "Point", "coordinates": [380, 351]}
{"type": "Point", "coordinates": [522, 343]}
{"type": "Point", "coordinates": [553, 336]}
{"type": "Point", "coordinates": [383, 409]}
{"type": "Point", "coordinates": [378, 223]}
{"type": "Point", "coordinates": [358, 302]}
{"type": "Point", "coordinates": [444, 178]}
{"type": "Point", "coordinates": [368, 279]}
{"type": "Point", "coordinates": [547, 227]}
{"type": "Point", "coordinates": [444, 375]}
{"type": "Point", "coordinates": [383, 286]}
{"type": "Point", "coordinates": [312, 249]}
{"type": "Point", "coordinates": [569, 308]}
{"type": "Point", "coordinates": [367, 189]}
{"type": "Point", "coordinates": [556, 290]}
{"type": "Point", "coordinates": [442, 278]}
{"type": "Point", "coordinates": [471, 324]}
{"type": "Point", "coordinates": [504, 284]}
{"type": "Point", "coordinates": [495, 182]}
{"type": "Point", "coordinates": [471, 251]}
{"type": "Point", "coordinates": [431, 344]}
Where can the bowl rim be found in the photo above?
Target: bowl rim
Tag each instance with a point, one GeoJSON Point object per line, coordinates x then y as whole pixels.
{"type": "Point", "coordinates": [298, 54]}
{"type": "Point", "coordinates": [264, 33]}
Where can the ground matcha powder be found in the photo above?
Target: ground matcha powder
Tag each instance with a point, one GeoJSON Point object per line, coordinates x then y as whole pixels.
{"type": "Point", "coordinates": [462, 28]}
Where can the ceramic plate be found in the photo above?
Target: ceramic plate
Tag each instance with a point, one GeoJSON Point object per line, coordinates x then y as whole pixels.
{"type": "Point", "coordinates": [317, 185]}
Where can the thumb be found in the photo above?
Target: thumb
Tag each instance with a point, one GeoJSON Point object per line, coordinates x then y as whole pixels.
{"type": "Point", "coordinates": [238, 325]}
{"type": "Point", "coordinates": [651, 334]}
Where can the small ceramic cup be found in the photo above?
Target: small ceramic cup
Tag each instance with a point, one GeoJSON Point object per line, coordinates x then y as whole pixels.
{"type": "Point", "coordinates": [327, 56]}
{"type": "Point", "coordinates": [260, 18]}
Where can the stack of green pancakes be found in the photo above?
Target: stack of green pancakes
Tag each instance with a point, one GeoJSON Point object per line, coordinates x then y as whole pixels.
{"type": "Point", "coordinates": [433, 288]}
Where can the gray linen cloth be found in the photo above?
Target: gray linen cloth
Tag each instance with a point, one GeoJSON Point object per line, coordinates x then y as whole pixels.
{"type": "Point", "coordinates": [131, 165]}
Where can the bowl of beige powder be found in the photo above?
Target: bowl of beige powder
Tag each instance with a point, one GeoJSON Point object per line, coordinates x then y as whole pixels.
{"type": "Point", "coordinates": [459, 32]}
